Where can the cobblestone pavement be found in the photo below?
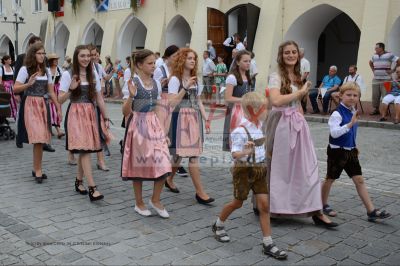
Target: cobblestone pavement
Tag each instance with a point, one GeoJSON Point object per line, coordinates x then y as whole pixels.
{"type": "Point", "coordinates": [52, 224]}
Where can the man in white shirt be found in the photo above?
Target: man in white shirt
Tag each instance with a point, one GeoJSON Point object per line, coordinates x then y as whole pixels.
{"type": "Point", "coordinates": [208, 76]}
{"type": "Point", "coordinates": [239, 45]}
{"type": "Point", "coordinates": [305, 73]}
{"type": "Point", "coordinates": [352, 77]}
{"type": "Point", "coordinates": [211, 49]}
{"type": "Point", "coordinates": [253, 70]}
{"type": "Point", "coordinates": [229, 44]}
{"type": "Point", "coordinates": [159, 60]}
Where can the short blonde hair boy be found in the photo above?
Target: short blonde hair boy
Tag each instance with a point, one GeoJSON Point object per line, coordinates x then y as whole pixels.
{"type": "Point", "coordinates": [255, 100]}
{"type": "Point", "coordinates": [351, 85]}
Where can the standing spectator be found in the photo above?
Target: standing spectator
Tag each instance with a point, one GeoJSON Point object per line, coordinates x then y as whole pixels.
{"type": "Point", "coordinates": [392, 97]}
{"type": "Point", "coordinates": [108, 83]}
{"type": "Point", "coordinates": [208, 76]}
{"type": "Point", "coordinates": [229, 44]}
{"type": "Point", "coordinates": [7, 79]}
{"type": "Point", "coordinates": [330, 83]}
{"type": "Point", "coordinates": [159, 60]}
{"type": "Point", "coordinates": [380, 65]}
{"type": "Point", "coordinates": [239, 45]}
{"type": "Point", "coordinates": [234, 53]}
{"type": "Point", "coordinates": [55, 78]}
{"type": "Point", "coordinates": [220, 74]}
{"type": "Point", "coordinates": [253, 71]}
{"type": "Point", "coordinates": [352, 77]}
{"type": "Point", "coordinates": [211, 50]}
{"type": "Point", "coordinates": [67, 63]}
{"type": "Point", "coordinates": [119, 72]}
{"type": "Point", "coordinates": [305, 73]}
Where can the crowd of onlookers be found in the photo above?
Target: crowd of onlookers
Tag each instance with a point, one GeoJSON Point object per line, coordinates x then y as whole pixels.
{"type": "Point", "coordinates": [385, 84]}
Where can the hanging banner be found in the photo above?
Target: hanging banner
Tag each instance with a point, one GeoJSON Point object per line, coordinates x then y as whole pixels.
{"type": "Point", "coordinates": [118, 4]}
{"type": "Point", "coordinates": [61, 12]}
{"type": "Point", "coordinates": [102, 6]}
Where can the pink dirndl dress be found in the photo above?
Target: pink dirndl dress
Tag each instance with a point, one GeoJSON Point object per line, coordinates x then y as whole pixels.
{"type": "Point", "coordinates": [8, 83]}
{"type": "Point", "coordinates": [295, 187]}
{"type": "Point", "coordinates": [36, 114]}
{"type": "Point", "coordinates": [81, 124]}
{"type": "Point", "coordinates": [145, 155]}
{"type": "Point", "coordinates": [55, 119]}
{"type": "Point", "coordinates": [186, 131]}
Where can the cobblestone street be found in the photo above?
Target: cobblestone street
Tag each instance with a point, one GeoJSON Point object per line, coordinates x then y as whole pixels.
{"type": "Point", "coordinates": [52, 224]}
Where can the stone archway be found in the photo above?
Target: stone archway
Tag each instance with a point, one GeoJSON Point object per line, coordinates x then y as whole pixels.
{"type": "Point", "coordinates": [394, 38]}
{"type": "Point", "coordinates": [59, 41]}
{"type": "Point", "coordinates": [329, 36]}
{"type": "Point", "coordinates": [178, 32]}
{"type": "Point", "coordinates": [6, 47]}
{"type": "Point", "coordinates": [26, 42]}
{"type": "Point", "coordinates": [131, 37]}
{"type": "Point", "coordinates": [93, 34]}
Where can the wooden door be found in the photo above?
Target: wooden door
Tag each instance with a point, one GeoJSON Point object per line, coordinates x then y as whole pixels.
{"type": "Point", "coordinates": [216, 29]}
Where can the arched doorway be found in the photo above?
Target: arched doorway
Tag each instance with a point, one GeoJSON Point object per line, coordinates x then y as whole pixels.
{"type": "Point", "coordinates": [329, 36]}
{"type": "Point", "coordinates": [394, 38]}
{"type": "Point", "coordinates": [26, 42]}
{"type": "Point", "coordinates": [131, 37]}
{"type": "Point", "coordinates": [59, 41]}
{"type": "Point", "coordinates": [6, 47]}
{"type": "Point", "coordinates": [242, 19]}
{"type": "Point", "coordinates": [178, 32]}
{"type": "Point", "coordinates": [93, 34]}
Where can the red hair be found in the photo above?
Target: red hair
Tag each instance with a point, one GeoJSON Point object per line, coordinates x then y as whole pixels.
{"type": "Point", "coordinates": [179, 63]}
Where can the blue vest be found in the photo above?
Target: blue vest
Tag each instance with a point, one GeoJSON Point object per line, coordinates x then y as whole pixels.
{"type": "Point", "coordinates": [348, 139]}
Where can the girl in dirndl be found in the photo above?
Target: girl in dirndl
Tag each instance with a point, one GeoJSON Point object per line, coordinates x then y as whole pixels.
{"type": "Point", "coordinates": [82, 126]}
{"type": "Point", "coordinates": [145, 154]}
{"type": "Point", "coordinates": [186, 130]}
{"type": "Point", "coordinates": [238, 83]}
{"type": "Point", "coordinates": [55, 72]}
{"type": "Point", "coordinates": [34, 125]}
{"type": "Point", "coordinates": [7, 79]}
{"type": "Point", "coordinates": [162, 74]}
{"type": "Point", "coordinates": [292, 166]}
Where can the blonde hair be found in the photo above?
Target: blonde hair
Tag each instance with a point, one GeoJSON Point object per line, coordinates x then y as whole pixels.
{"type": "Point", "coordinates": [349, 86]}
{"type": "Point", "coordinates": [255, 100]}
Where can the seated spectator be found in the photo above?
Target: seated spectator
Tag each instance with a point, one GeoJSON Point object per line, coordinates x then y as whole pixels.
{"type": "Point", "coordinates": [352, 77]}
{"type": "Point", "coordinates": [330, 83]}
{"type": "Point", "coordinates": [392, 97]}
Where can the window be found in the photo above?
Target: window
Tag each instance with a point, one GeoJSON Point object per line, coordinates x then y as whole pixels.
{"type": "Point", "coordinates": [1, 7]}
{"type": "Point", "coordinates": [37, 6]}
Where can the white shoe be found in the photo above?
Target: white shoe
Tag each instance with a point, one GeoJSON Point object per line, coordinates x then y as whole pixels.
{"type": "Point", "coordinates": [163, 213]}
{"type": "Point", "coordinates": [145, 213]}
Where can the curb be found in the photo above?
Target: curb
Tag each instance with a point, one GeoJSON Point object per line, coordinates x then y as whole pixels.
{"type": "Point", "coordinates": [309, 118]}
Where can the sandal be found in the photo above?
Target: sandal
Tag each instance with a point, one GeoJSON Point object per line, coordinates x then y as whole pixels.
{"type": "Point", "coordinates": [377, 214]}
{"type": "Point", "coordinates": [219, 233]}
{"type": "Point", "coordinates": [60, 135]}
{"type": "Point", "coordinates": [273, 251]}
{"type": "Point", "coordinates": [327, 210]}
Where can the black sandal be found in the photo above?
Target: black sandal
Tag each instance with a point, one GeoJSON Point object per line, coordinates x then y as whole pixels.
{"type": "Point", "coordinates": [273, 251]}
{"type": "Point", "coordinates": [222, 237]}
{"type": "Point", "coordinates": [377, 214]}
{"type": "Point", "coordinates": [44, 176]}
{"type": "Point", "coordinates": [327, 210]}
{"type": "Point", "coordinates": [77, 189]}
{"type": "Point", "coordinates": [92, 189]}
